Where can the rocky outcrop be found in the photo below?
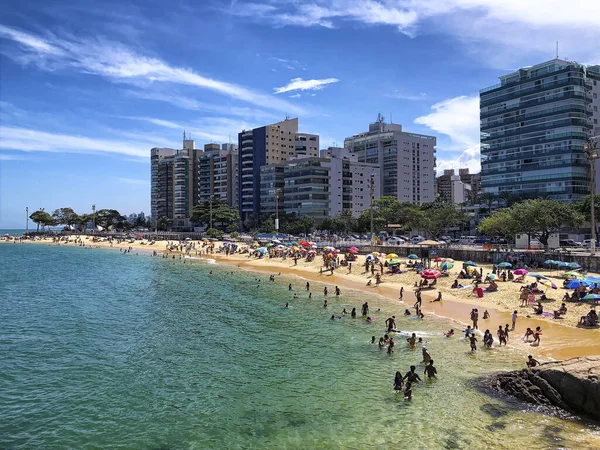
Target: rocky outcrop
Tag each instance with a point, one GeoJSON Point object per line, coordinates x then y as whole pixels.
{"type": "Point", "coordinates": [573, 385]}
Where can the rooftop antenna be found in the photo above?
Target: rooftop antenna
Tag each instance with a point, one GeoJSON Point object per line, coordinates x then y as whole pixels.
{"type": "Point", "coordinates": [391, 118]}
{"type": "Point", "coordinates": [184, 134]}
{"type": "Point", "coordinates": [556, 49]}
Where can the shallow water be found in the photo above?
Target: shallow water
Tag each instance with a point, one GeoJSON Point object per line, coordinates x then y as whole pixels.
{"type": "Point", "coordinates": [105, 350]}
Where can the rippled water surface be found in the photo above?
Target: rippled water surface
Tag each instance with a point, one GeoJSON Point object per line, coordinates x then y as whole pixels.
{"type": "Point", "coordinates": [109, 351]}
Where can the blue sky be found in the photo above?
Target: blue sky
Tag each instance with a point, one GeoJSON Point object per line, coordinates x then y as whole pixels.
{"type": "Point", "coordinates": [88, 87]}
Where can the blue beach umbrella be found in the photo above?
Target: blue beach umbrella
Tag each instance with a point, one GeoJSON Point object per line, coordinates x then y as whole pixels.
{"type": "Point", "coordinates": [446, 266]}
{"type": "Point", "coordinates": [549, 262]}
{"type": "Point", "coordinates": [591, 298]}
{"type": "Point", "coordinates": [470, 263]}
{"type": "Point", "coordinates": [537, 275]}
{"type": "Point", "coordinates": [574, 284]}
{"type": "Point", "coordinates": [262, 250]}
{"type": "Point", "coordinates": [574, 265]}
{"type": "Point", "coordinates": [413, 256]}
{"type": "Point", "coordinates": [504, 265]}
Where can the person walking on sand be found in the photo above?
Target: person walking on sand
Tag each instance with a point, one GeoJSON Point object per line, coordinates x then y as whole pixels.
{"type": "Point", "coordinates": [401, 293]}
{"type": "Point", "coordinates": [514, 319]}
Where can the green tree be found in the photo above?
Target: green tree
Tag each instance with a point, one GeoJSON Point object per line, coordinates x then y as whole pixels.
{"type": "Point", "coordinates": [41, 217]}
{"type": "Point", "coordinates": [536, 217]}
{"type": "Point", "coordinates": [301, 225]}
{"type": "Point", "coordinates": [223, 215]}
{"type": "Point", "coordinates": [267, 225]}
{"type": "Point", "coordinates": [65, 216]}
{"type": "Point", "coordinates": [584, 206]}
{"type": "Point", "coordinates": [488, 199]}
{"type": "Point", "coordinates": [437, 217]}
{"type": "Point", "coordinates": [109, 219]}
{"type": "Point", "coordinates": [213, 233]}
{"type": "Point", "coordinates": [163, 223]}
{"type": "Point", "coordinates": [501, 223]}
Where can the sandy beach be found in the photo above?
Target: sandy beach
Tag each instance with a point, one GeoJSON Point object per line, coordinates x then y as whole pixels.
{"type": "Point", "coordinates": [561, 338]}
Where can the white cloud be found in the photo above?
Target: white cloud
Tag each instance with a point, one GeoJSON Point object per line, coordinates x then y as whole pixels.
{"type": "Point", "coordinates": [7, 157]}
{"type": "Point", "coordinates": [120, 64]}
{"type": "Point", "coordinates": [458, 119]}
{"type": "Point", "coordinates": [290, 64]}
{"type": "Point", "coordinates": [296, 96]}
{"type": "Point", "coordinates": [400, 96]}
{"type": "Point", "coordinates": [189, 103]}
{"type": "Point", "coordinates": [154, 121]}
{"type": "Point", "coordinates": [531, 26]}
{"type": "Point", "coordinates": [29, 140]}
{"type": "Point", "coordinates": [298, 84]}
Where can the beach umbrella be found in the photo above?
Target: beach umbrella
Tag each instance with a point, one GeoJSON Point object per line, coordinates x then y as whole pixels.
{"type": "Point", "coordinates": [450, 260]}
{"type": "Point", "coordinates": [537, 275]}
{"type": "Point", "coordinates": [560, 264]}
{"type": "Point", "coordinates": [353, 250]}
{"type": "Point", "coordinates": [305, 244]}
{"type": "Point", "coordinates": [429, 242]}
{"type": "Point", "coordinates": [335, 251]}
{"type": "Point", "coordinates": [255, 244]}
{"type": "Point", "coordinates": [276, 241]}
{"type": "Point", "coordinates": [573, 274]}
{"type": "Point", "coordinates": [377, 254]}
{"type": "Point", "coordinates": [439, 259]}
{"type": "Point", "coordinates": [549, 262]}
{"type": "Point", "coordinates": [370, 257]}
{"type": "Point", "coordinates": [470, 263]}
{"type": "Point", "coordinates": [521, 272]}
{"type": "Point", "coordinates": [591, 298]}
{"type": "Point", "coordinates": [413, 256]}
{"type": "Point", "coordinates": [548, 283]}
{"type": "Point", "coordinates": [391, 256]}
{"type": "Point", "coordinates": [504, 265]}
{"type": "Point", "coordinates": [394, 261]}
{"type": "Point", "coordinates": [430, 274]}
{"type": "Point", "coordinates": [262, 250]}
{"type": "Point", "coordinates": [381, 255]}
{"type": "Point", "coordinates": [574, 265]}
{"type": "Point", "coordinates": [593, 279]}
{"type": "Point", "coordinates": [311, 252]}
{"type": "Point", "coordinates": [270, 244]}
{"type": "Point", "coordinates": [574, 284]}
{"type": "Point", "coordinates": [492, 276]}
{"type": "Point", "coordinates": [446, 265]}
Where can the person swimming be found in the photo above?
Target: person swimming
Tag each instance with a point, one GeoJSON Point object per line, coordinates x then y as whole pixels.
{"type": "Point", "coordinates": [287, 305]}
{"type": "Point", "coordinates": [353, 313]}
{"type": "Point", "coordinates": [449, 333]}
{"type": "Point", "coordinates": [412, 340]}
{"type": "Point", "coordinates": [372, 340]}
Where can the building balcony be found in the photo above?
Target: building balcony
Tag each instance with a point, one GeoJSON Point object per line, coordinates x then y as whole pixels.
{"type": "Point", "coordinates": [536, 102]}
{"type": "Point", "coordinates": [537, 140]}
{"type": "Point", "coordinates": [571, 122]}
{"type": "Point", "coordinates": [576, 111]}
{"type": "Point", "coordinates": [534, 166]}
{"type": "Point", "coordinates": [491, 99]}
{"type": "Point", "coordinates": [534, 179]}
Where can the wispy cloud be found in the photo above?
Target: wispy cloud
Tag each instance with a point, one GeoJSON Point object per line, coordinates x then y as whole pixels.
{"type": "Point", "coordinates": [7, 157]}
{"type": "Point", "coordinates": [191, 104]}
{"type": "Point", "coordinates": [522, 25]}
{"type": "Point", "coordinates": [121, 64]}
{"type": "Point", "coordinates": [290, 64]}
{"type": "Point", "coordinates": [397, 94]}
{"type": "Point", "coordinates": [298, 84]}
{"type": "Point", "coordinates": [458, 119]}
{"type": "Point", "coordinates": [30, 140]}
{"type": "Point", "coordinates": [133, 181]}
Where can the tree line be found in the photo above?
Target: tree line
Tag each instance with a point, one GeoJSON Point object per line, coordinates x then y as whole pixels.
{"type": "Point", "coordinates": [106, 218]}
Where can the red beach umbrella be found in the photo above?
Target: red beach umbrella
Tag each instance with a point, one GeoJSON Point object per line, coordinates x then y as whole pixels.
{"type": "Point", "coordinates": [431, 274]}
{"type": "Point", "coordinates": [353, 250]}
{"type": "Point", "coordinates": [438, 259]}
{"type": "Point", "coordinates": [305, 244]}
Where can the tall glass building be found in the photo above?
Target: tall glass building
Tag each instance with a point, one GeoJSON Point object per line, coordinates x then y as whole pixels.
{"type": "Point", "coordinates": [533, 128]}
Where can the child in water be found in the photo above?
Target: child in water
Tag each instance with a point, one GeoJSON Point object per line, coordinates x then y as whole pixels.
{"type": "Point", "coordinates": [449, 333]}
{"type": "Point", "coordinates": [372, 340]}
{"type": "Point", "coordinates": [398, 382]}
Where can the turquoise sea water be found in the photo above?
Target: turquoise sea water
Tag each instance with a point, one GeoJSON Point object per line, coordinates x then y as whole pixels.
{"type": "Point", "coordinates": [102, 350]}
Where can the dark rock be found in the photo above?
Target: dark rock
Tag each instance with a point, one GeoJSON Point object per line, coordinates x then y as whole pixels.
{"type": "Point", "coordinates": [572, 385]}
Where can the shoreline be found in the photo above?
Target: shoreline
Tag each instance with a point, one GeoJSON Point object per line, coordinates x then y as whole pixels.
{"type": "Point", "coordinates": [559, 341]}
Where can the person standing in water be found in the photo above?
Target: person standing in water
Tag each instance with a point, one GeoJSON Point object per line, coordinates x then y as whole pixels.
{"type": "Point", "coordinates": [325, 291]}
{"type": "Point", "coordinates": [365, 309]}
{"type": "Point", "coordinates": [430, 370]}
{"type": "Point", "coordinates": [353, 313]}
{"type": "Point", "coordinates": [412, 341]}
{"type": "Point", "coordinates": [391, 323]}
{"type": "Point", "coordinates": [398, 381]}
{"type": "Point", "coordinates": [290, 287]}
{"type": "Point", "coordinates": [338, 292]}
{"type": "Point", "coordinates": [514, 319]}
{"type": "Point", "coordinates": [411, 376]}
{"type": "Point", "coordinates": [473, 340]}
{"type": "Point", "coordinates": [426, 356]}
{"type": "Point", "coordinates": [325, 304]}
{"type": "Point", "coordinates": [307, 286]}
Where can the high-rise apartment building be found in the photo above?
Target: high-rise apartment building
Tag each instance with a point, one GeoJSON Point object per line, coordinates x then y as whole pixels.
{"type": "Point", "coordinates": [450, 184]}
{"type": "Point", "coordinates": [217, 170]}
{"type": "Point", "coordinates": [268, 145]}
{"type": "Point", "coordinates": [406, 160]}
{"type": "Point", "coordinates": [534, 125]}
